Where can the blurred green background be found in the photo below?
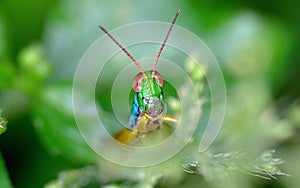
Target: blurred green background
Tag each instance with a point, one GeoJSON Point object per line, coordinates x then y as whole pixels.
{"type": "Point", "coordinates": [41, 43]}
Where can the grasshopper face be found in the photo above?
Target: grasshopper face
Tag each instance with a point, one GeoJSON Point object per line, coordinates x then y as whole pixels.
{"type": "Point", "coordinates": [149, 91]}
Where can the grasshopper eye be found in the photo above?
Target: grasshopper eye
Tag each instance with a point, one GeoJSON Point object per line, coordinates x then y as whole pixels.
{"type": "Point", "coordinates": [137, 82]}
{"type": "Point", "coordinates": [158, 78]}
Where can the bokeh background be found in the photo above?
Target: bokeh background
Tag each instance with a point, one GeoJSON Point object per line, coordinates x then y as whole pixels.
{"type": "Point", "coordinates": [41, 43]}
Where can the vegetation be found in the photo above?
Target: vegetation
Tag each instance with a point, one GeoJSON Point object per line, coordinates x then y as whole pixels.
{"type": "Point", "coordinates": [255, 43]}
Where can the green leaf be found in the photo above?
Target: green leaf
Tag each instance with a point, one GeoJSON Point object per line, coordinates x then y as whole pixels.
{"type": "Point", "coordinates": [4, 178]}
{"type": "Point", "coordinates": [56, 126]}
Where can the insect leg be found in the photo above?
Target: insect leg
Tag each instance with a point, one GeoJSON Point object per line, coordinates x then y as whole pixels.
{"type": "Point", "coordinates": [169, 119]}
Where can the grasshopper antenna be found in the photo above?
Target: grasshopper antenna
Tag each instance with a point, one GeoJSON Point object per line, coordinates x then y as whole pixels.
{"type": "Point", "coordinates": [124, 50]}
{"type": "Point", "coordinates": [164, 43]}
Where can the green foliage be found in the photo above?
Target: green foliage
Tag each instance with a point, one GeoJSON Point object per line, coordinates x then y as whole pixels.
{"type": "Point", "coordinates": [4, 178]}
{"type": "Point", "coordinates": [56, 126]}
{"type": "Point", "coordinates": [3, 124]}
{"type": "Point", "coordinates": [215, 166]}
{"type": "Point", "coordinates": [34, 69]}
{"type": "Point", "coordinates": [254, 51]}
{"type": "Point", "coordinates": [7, 74]}
{"type": "Point", "coordinates": [293, 115]}
{"type": "Point", "coordinates": [84, 177]}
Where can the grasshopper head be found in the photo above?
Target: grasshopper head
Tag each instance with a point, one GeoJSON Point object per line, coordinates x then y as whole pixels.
{"type": "Point", "coordinates": [149, 86]}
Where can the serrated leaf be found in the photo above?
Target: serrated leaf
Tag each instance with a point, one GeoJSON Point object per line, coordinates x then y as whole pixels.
{"type": "Point", "coordinates": [213, 166]}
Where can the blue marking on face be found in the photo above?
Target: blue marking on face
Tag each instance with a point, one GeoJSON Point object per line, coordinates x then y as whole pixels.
{"type": "Point", "coordinates": [134, 112]}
